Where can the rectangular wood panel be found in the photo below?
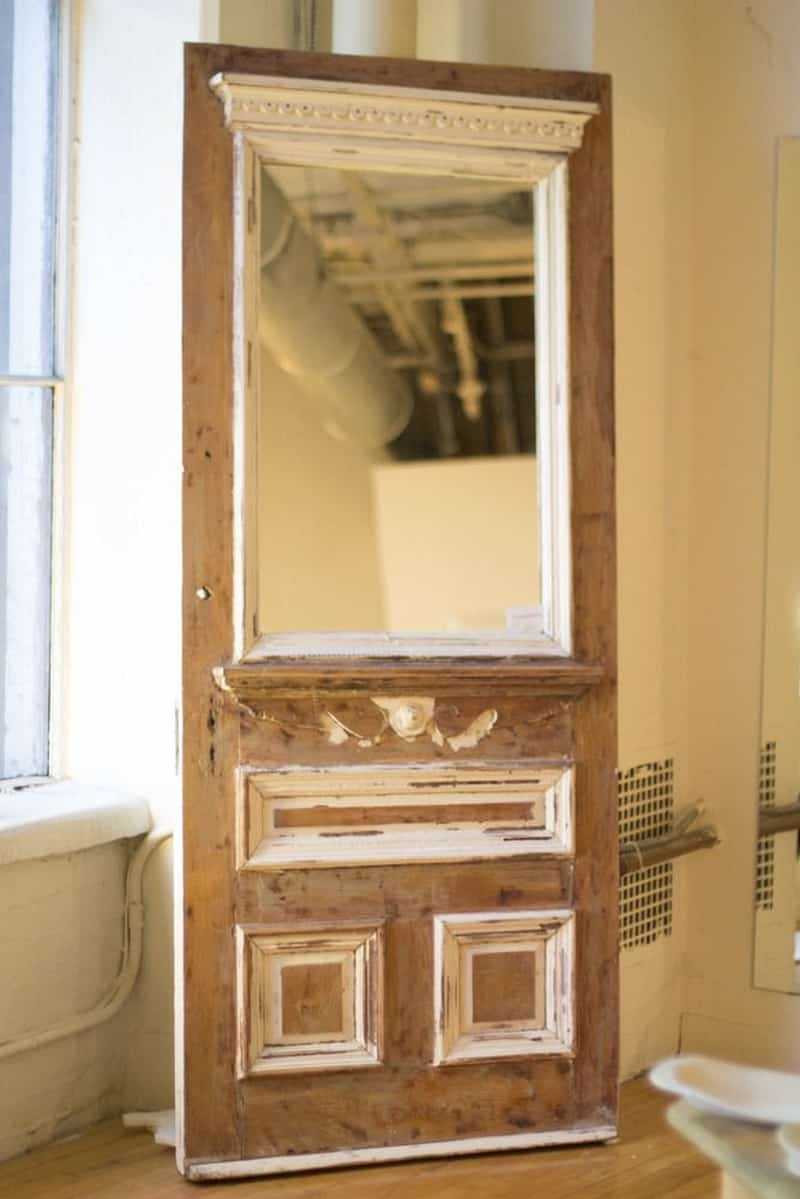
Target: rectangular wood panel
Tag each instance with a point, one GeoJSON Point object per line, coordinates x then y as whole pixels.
{"type": "Point", "coordinates": [339, 816]}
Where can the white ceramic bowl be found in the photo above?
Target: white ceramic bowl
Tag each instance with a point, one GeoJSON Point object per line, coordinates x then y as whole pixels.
{"type": "Point", "coordinates": [725, 1089]}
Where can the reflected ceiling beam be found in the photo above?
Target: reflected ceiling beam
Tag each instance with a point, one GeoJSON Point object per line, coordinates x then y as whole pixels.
{"type": "Point", "coordinates": [455, 291]}
{"type": "Point", "coordinates": [434, 273]}
{"type": "Point", "coordinates": [413, 327]}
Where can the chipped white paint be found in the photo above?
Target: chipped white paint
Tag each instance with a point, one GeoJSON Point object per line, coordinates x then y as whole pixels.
{"type": "Point", "coordinates": [459, 939]}
{"type": "Point", "coordinates": [250, 1167]}
{"type": "Point", "coordinates": [355, 815]}
{"type": "Point", "coordinates": [264, 1045]}
{"type": "Point", "coordinates": [409, 717]}
{"type": "Point", "coordinates": [479, 728]}
{"type": "Point", "coordinates": [268, 107]}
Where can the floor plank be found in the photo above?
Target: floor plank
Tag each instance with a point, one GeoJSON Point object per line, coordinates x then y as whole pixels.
{"type": "Point", "coordinates": [649, 1161]}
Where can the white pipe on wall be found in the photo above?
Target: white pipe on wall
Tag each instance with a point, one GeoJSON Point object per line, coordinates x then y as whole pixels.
{"type": "Point", "coordinates": [387, 27]}
{"type": "Point", "coordinates": [120, 990]}
{"type": "Point", "coordinates": [314, 334]}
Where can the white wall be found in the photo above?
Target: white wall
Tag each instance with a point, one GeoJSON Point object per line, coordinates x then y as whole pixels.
{"type": "Point", "coordinates": [62, 918]}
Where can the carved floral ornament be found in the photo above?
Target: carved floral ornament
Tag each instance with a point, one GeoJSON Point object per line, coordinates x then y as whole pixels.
{"type": "Point", "coordinates": [410, 717]}
{"type": "Point", "coordinates": [266, 103]}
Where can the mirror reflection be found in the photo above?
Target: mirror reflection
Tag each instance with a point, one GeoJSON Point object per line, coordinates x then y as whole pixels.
{"type": "Point", "coordinates": [777, 941]}
{"type": "Point", "coordinates": [397, 418]}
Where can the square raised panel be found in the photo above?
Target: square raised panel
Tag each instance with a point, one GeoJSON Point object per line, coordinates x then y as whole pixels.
{"type": "Point", "coordinates": [355, 816]}
{"type": "Point", "coordinates": [503, 984]}
{"type": "Point", "coordinates": [309, 998]}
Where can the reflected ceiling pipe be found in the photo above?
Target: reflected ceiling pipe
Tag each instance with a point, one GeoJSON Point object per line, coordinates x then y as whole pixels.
{"type": "Point", "coordinates": [470, 388]}
{"type": "Point", "coordinates": [314, 334]}
{"type": "Point", "coordinates": [501, 391]}
{"type": "Point", "coordinates": [382, 27]}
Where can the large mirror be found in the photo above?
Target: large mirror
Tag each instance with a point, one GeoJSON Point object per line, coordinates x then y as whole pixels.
{"type": "Point", "coordinates": [397, 414]}
{"type": "Point", "coordinates": [402, 396]}
{"type": "Point", "coordinates": [777, 883]}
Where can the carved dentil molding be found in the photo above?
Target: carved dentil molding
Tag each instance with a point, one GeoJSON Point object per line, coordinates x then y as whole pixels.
{"type": "Point", "coordinates": [266, 104]}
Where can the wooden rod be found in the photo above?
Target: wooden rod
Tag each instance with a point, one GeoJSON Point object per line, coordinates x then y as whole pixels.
{"type": "Point", "coordinates": [779, 820]}
{"type": "Point", "coordinates": [637, 856]}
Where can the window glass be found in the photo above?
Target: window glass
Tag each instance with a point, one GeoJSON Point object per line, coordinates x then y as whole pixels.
{"type": "Point", "coordinates": [26, 433]}
{"type": "Point", "coordinates": [27, 185]}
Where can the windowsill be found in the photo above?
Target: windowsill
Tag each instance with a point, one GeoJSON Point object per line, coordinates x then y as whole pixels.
{"type": "Point", "coordinates": [60, 818]}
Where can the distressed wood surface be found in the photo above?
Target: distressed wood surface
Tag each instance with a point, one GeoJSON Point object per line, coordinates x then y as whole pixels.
{"type": "Point", "coordinates": [650, 1159]}
{"type": "Point", "coordinates": [273, 716]}
{"type": "Point", "coordinates": [594, 610]}
{"type": "Point", "coordinates": [253, 684]}
{"type": "Point", "coordinates": [294, 732]}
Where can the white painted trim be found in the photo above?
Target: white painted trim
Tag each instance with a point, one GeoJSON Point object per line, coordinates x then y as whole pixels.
{"type": "Point", "coordinates": [410, 129]}
{"type": "Point", "coordinates": [400, 645]}
{"type": "Point", "coordinates": [242, 164]}
{"type": "Point", "coordinates": [552, 407]}
{"type": "Point", "coordinates": [269, 102]}
{"type": "Point", "coordinates": [254, 1166]}
{"type": "Point", "coordinates": [262, 845]}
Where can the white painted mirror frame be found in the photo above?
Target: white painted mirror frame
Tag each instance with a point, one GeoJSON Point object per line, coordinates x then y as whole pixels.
{"type": "Point", "coordinates": [370, 127]}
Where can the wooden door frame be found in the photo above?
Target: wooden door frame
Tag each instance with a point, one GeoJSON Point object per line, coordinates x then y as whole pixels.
{"type": "Point", "coordinates": [207, 1033]}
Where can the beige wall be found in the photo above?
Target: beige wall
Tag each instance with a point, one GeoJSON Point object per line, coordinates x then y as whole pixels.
{"type": "Point", "coordinates": [781, 695]}
{"type": "Point", "coordinates": [318, 553]}
{"type": "Point", "coordinates": [457, 542]}
{"type": "Point", "coordinates": [647, 50]}
{"type": "Point", "coordinates": [747, 94]}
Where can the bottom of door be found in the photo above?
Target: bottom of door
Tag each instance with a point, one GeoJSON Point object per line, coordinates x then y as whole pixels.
{"type": "Point", "coordinates": [294, 1163]}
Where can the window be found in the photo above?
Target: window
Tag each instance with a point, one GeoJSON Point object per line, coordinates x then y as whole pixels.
{"type": "Point", "coordinates": [30, 372]}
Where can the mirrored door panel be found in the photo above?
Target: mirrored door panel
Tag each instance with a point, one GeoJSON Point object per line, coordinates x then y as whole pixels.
{"type": "Point", "coordinates": [777, 883]}
{"type": "Point", "coordinates": [397, 456]}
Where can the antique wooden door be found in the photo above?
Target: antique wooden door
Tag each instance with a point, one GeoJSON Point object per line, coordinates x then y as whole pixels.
{"type": "Point", "coordinates": [399, 848]}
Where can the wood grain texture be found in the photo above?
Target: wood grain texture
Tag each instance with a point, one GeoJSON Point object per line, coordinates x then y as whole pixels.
{"type": "Point", "coordinates": [592, 448]}
{"type": "Point", "coordinates": [210, 729]}
{"type": "Point", "coordinates": [649, 1160]}
{"type": "Point", "coordinates": [546, 709]}
{"type": "Point", "coordinates": [291, 732]}
{"type": "Point", "coordinates": [255, 684]}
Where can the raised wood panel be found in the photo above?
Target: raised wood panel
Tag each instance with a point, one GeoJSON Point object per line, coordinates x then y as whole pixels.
{"type": "Point", "coordinates": [504, 985]}
{"type": "Point", "coordinates": [345, 816]}
{"type": "Point", "coordinates": [309, 998]}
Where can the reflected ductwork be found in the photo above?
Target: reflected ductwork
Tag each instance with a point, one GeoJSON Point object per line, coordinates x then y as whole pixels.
{"type": "Point", "coordinates": [314, 334]}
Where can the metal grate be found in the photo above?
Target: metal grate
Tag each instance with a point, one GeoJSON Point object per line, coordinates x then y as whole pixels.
{"type": "Point", "coordinates": [765, 851]}
{"type": "Point", "coordinates": [646, 804]}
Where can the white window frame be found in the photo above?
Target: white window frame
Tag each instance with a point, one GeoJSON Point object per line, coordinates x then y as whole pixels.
{"type": "Point", "coordinates": [57, 384]}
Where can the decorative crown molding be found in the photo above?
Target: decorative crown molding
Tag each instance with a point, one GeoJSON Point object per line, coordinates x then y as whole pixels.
{"type": "Point", "coordinates": [264, 104]}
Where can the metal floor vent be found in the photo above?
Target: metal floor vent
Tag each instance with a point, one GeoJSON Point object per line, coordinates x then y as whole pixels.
{"type": "Point", "coordinates": [765, 851]}
{"type": "Point", "coordinates": [646, 806]}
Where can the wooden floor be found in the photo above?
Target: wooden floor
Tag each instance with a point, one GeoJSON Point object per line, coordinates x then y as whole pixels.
{"type": "Point", "coordinates": [649, 1160]}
